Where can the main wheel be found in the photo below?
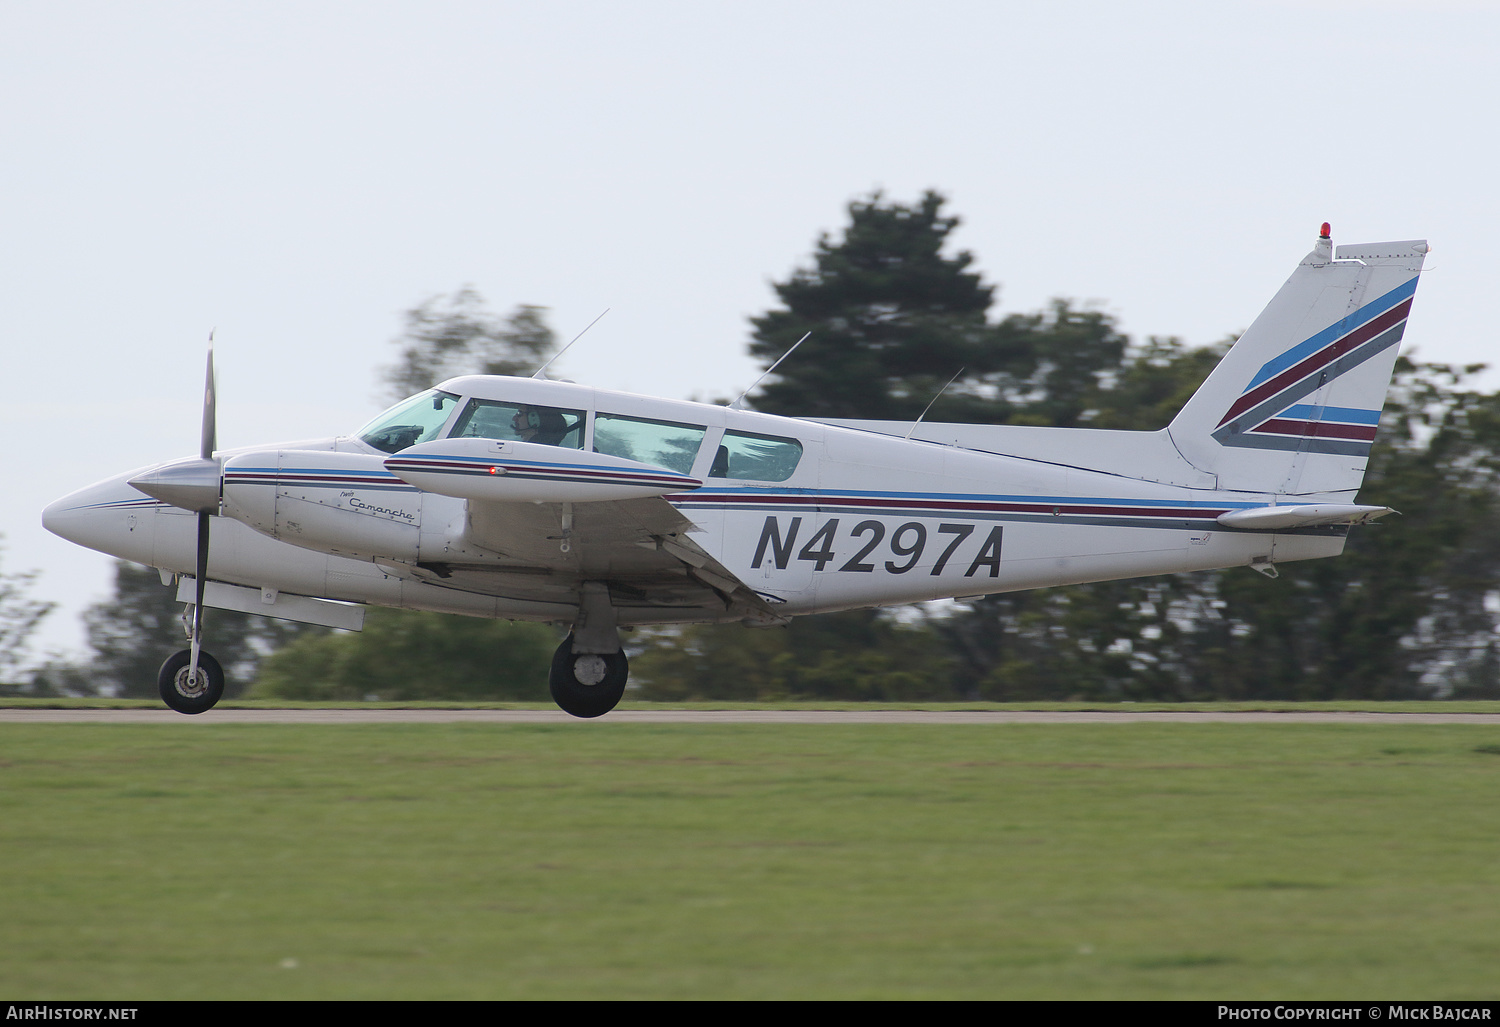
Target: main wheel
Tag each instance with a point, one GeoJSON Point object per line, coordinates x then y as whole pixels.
{"type": "Point", "coordinates": [587, 684]}
{"type": "Point", "coordinates": [185, 692]}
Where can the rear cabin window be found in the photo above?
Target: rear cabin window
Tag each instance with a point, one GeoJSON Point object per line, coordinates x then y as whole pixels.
{"type": "Point", "coordinates": [659, 443]}
{"type": "Point", "coordinates": [756, 457]}
{"type": "Point", "coordinates": [520, 422]}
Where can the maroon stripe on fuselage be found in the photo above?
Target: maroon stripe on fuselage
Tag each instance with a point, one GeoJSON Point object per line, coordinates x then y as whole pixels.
{"type": "Point", "coordinates": [941, 507]}
{"type": "Point", "coordinates": [537, 470]}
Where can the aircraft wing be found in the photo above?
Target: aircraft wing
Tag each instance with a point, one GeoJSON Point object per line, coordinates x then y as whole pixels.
{"type": "Point", "coordinates": [639, 547]}
{"type": "Point", "coordinates": [533, 550]}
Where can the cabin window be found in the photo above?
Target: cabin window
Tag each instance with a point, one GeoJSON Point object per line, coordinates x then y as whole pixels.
{"type": "Point", "coordinates": [409, 422]}
{"type": "Point", "coordinates": [520, 422]}
{"type": "Point", "coordinates": [756, 457]}
{"type": "Point", "coordinates": [659, 443]}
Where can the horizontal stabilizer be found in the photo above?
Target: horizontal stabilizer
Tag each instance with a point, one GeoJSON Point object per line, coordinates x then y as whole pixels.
{"type": "Point", "coordinates": [1272, 518]}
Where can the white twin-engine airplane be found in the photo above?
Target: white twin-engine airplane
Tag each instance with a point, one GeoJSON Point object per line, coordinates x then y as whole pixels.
{"type": "Point", "coordinates": [532, 499]}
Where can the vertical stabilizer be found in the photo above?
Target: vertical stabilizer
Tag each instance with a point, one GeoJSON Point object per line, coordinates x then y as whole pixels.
{"type": "Point", "coordinates": [1293, 406]}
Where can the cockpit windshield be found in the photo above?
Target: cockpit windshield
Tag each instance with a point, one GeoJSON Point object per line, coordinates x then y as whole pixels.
{"type": "Point", "coordinates": [419, 419]}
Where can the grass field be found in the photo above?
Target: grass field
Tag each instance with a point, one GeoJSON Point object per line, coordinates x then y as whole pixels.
{"type": "Point", "coordinates": [12, 702]}
{"type": "Point", "coordinates": [599, 860]}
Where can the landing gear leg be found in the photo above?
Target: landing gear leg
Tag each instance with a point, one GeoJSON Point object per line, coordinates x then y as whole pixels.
{"type": "Point", "coordinates": [191, 681]}
{"type": "Point", "coordinates": [589, 669]}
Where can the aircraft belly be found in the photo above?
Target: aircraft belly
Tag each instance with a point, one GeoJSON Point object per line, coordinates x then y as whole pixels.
{"type": "Point", "coordinates": [657, 586]}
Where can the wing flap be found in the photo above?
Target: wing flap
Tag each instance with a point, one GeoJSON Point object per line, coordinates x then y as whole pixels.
{"type": "Point", "coordinates": [639, 547]}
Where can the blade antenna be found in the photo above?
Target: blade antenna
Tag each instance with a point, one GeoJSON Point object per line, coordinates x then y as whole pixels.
{"type": "Point", "coordinates": [739, 403]}
{"type": "Point", "coordinates": [568, 346]}
{"type": "Point", "coordinates": [934, 399]}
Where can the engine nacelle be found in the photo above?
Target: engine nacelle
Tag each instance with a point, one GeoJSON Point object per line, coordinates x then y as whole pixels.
{"type": "Point", "coordinates": [342, 503]}
{"type": "Point", "coordinates": [527, 472]}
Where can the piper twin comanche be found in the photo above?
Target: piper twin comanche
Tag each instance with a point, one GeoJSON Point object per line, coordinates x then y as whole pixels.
{"type": "Point", "coordinates": [533, 499]}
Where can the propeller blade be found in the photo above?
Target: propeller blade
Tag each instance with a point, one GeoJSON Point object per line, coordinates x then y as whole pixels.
{"type": "Point", "coordinates": [208, 441]}
{"type": "Point", "coordinates": [201, 571]}
{"type": "Point", "coordinates": [210, 429]}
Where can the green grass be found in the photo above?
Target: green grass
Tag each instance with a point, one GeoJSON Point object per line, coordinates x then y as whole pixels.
{"type": "Point", "coordinates": [1256, 706]}
{"type": "Point", "coordinates": [613, 860]}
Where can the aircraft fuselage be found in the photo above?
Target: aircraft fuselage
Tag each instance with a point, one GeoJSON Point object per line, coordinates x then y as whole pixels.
{"type": "Point", "coordinates": [862, 519]}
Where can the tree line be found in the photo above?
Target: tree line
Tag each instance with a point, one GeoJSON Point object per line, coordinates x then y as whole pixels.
{"type": "Point", "coordinates": [897, 318]}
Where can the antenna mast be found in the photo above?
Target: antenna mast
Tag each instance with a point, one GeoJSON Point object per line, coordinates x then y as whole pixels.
{"type": "Point", "coordinates": [739, 403]}
{"type": "Point", "coordinates": [934, 399]}
{"type": "Point", "coordinates": [568, 346]}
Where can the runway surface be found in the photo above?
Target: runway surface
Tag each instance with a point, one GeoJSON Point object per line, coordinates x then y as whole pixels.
{"type": "Point", "coordinates": [354, 716]}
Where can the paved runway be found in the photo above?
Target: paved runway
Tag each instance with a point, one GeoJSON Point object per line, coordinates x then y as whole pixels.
{"type": "Point", "coordinates": [356, 716]}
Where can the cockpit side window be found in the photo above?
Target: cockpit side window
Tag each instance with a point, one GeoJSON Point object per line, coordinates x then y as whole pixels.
{"type": "Point", "coordinates": [409, 422]}
{"type": "Point", "coordinates": [756, 457]}
{"type": "Point", "coordinates": [520, 422]}
{"type": "Point", "coordinates": [659, 443]}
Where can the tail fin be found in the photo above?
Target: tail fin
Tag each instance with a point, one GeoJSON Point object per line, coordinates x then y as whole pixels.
{"type": "Point", "coordinates": [1293, 406]}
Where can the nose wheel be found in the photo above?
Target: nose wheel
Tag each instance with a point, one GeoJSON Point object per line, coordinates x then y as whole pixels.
{"type": "Point", "coordinates": [587, 684]}
{"type": "Point", "coordinates": [185, 691]}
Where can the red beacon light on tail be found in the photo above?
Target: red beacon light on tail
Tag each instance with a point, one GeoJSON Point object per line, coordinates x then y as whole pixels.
{"type": "Point", "coordinates": [1327, 232]}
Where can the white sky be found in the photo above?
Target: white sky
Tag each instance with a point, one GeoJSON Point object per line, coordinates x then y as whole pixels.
{"type": "Point", "coordinates": [294, 175]}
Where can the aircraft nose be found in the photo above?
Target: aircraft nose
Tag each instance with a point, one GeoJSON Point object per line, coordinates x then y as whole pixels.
{"type": "Point", "coordinates": [108, 516]}
{"type": "Point", "coordinates": [72, 517]}
{"type": "Point", "coordinates": [56, 520]}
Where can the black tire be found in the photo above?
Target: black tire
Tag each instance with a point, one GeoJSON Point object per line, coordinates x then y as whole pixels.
{"type": "Point", "coordinates": [183, 695]}
{"type": "Point", "coordinates": [582, 698]}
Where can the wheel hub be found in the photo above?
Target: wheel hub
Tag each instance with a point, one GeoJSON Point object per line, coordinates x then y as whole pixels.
{"type": "Point", "coordinates": [189, 685]}
{"type": "Point", "coordinates": [589, 670]}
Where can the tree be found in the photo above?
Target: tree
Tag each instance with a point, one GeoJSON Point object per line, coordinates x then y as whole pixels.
{"type": "Point", "coordinates": [453, 335]}
{"type": "Point", "coordinates": [407, 655]}
{"type": "Point", "coordinates": [840, 656]}
{"type": "Point", "coordinates": [19, 617]}
{"type": "Point", "coordinates": [893, 318]}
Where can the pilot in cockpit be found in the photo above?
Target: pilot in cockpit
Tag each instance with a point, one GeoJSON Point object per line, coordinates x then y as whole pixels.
{"type": "Point", "coordinates": [542, 425]}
